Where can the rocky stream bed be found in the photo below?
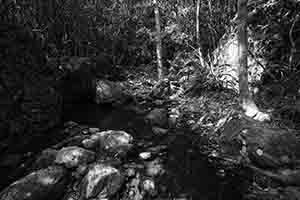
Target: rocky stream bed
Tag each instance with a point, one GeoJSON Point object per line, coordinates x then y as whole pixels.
{"type": "Point", "coordinates": [107, 153]}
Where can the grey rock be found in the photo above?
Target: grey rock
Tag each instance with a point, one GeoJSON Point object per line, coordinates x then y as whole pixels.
{"type": "Point", "coordinates": [101, 181]}
{"type": "Point", "coordinates": [45, 184]}
{"type": "Point", "coordinates": [74, 156]}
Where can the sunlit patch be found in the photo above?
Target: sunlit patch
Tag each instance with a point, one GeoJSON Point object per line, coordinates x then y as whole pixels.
{"type": "Point", "coordinates": [46, 180]}
{"type": "Point", "coordinates": [28, 194]}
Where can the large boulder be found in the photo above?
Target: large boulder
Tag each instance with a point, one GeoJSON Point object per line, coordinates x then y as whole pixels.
{"type": "Point", "coordinates": [46, 184]}
{"type": "Point", "coordinates": [101, 182]}
{"type": "Point", "coordinates": [265, 146]}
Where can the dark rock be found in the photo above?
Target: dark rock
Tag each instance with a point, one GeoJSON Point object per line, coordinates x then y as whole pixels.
{"type": "Point", "coordinates": [74, 156]}
{"type": "Point", "coordinates": [46, 184]}
{"type": "Point", "coordinates": [154, 168]}
{"type": "Point", "coordinates": [94, 130]}
{"type": "Point", "coordinates": [158, 117]}
{"type": "Point", "coordinates": [159, 131]}
{"type": "Point", "coordinates": [101, 181]}
{"type": "Point", "coordinates": [110, 92]}
{"type": "Point", "coordinates": [265, 146]}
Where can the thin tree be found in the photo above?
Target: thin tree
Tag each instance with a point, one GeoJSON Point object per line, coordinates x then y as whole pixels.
{"type": "Point", "coordinates": [245, 97]}
{"type": "Point", "coordinates": [158, 41]}
{"type": "Point", "coordinates": [198, 6]}
{"type": "Point", "coordinates": [198, 21]}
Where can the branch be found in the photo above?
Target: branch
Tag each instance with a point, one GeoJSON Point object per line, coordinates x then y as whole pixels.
{"type": "Point", "coordinates": [293, 48]}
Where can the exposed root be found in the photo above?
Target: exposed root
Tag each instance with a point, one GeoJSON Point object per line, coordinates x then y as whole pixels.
{"type": "Point", "coordinates": [251, 110]}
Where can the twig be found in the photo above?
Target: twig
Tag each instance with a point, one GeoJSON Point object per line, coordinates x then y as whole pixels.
{"type": "Point", "coordinates": [293, 48]}
{"type": "Point", "coordinates": [257, 61]}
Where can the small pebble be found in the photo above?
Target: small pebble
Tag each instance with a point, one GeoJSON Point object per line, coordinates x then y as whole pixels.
{"type": "Point", "coordinates": [259, 152]}
{"type": "Point", "coordinates": [145, 155]}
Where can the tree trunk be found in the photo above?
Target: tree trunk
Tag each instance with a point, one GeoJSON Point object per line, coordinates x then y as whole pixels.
{"type": "Point", "coordinates": [246, 101]}
{"type": "Point", "coordinates": [198, 21]}
{"type": "Point", "coordinates": [158, 41]}
{"type": "Point", "coordinates": [202, 63]}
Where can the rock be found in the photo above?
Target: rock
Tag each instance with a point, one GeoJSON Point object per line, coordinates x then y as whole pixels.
{"type": "Point", "coordinates": [89, 143]}
{"type": "Point", "coordinates": [154, 168]}
{"type": "Point", "coordinates": [130, 172]}
{"type": "Point", "coordinates": [148, 186]}
{"type": "Point", "coordinates": [159, 131]}
{"type": "Point", "coordinates": [145, 155]}
{"type": "Point", "coordinates": [80, 171]}
{"type": "Point", "coordinates": [74, 156]}
{"type": "Point", "coordinates": [44, 160]}
{"type": "Point", "coordinates": [109, 92]}
{"type": "Point", "coordinates": [157, 117]}
{"type": "Point", "coordinates": [265, 146]}
{"type": "Point", "coordinates": [113, 142]}
{"type": "Point", "coordinates": [94, 130]}
{"type": "Point", "coordinates": [70, 124]}
{"type": "Point", "coordinates": [45, 184]}
{"type": "Point", "coordinates": [71, 141]}
{"type": "Point", "coordinates": [101, 181]}
{"type": "Point", "coordinates": [72, 195]}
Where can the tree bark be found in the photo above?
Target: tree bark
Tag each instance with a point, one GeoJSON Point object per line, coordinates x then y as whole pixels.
{"type": "Point", "coordinates": [198, 21]}
{"type": "Point", "coordinates": [202, 63]}
{"type": "Point", "coordinates": [245, 98]}
{"type": "Point", "coordinates": [158, 42]}
{"type": "Point", "coordinates": [242, 48]}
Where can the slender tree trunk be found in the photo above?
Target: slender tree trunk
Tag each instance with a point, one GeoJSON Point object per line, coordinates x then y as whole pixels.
{"type": "Point", "coordinates": [198, 21]}
{"type": "Point", "coordinates": [242, 48]}
{"type": "Point", "coordinates": [198, 33]}
{"type": "Point", "coordinates": [246, 101]}
{"type": "Point", "coordinates": [158, 42]}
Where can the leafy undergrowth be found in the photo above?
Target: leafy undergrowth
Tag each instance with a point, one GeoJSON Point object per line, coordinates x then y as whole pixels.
{"type": "Point", "coordinates": [202, 114]}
